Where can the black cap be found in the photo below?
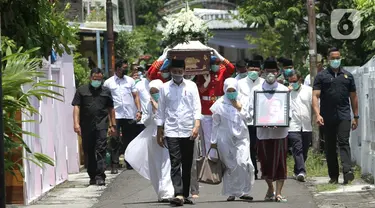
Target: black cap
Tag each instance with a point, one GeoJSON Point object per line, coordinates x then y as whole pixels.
{"type": "Point", "coordinates": [177, 63]}
{"type": "Point", "coordinates": [287, 62]}
{"type": "Point", "coordinates": [241, 63]}
{"type": "Point", "coordinates": [270, 64]}
{"type": "Point", "coordinates": [254, 63]}
{"type": "Point", "coordinates": [258, 58]}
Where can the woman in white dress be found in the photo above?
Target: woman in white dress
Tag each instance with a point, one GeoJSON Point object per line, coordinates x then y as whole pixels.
{"type": "Point", "coordinates": [231, 136]}
{"type": "Point", "coordinates": [146, 156]}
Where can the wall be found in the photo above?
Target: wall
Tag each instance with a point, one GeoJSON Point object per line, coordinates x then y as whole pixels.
{"type": "Point", "coordinates": [55, 128]}
{"type": "Point", "coordinates": [362, 140]}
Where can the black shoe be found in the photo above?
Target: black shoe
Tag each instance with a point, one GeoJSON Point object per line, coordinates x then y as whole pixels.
{"type": "Point", "coordinates": [92, 182]}
{"type": "Point", "coordinates": [177, 201]}
{"type": "Point", "coordinates": [163, 200]}
{"type": "Point", "coordinates": [188, 201]}
{"type": "Point", "coordinates": [231, 198]}
{"type": "Point", "coordinates": [114, 169]}
{"type": "Point", "coordinates": [348, 177]}
{"type": "Point", "coordinates": [100, 182]}
{"type": "Point", "coordinates": [333, 181]}
{"type": "Point", "coordinates": [128, 166]}
{"type": "Point", "coordinates": [256, 177]}
{"type": "Point", "coordinates": [246, 197]}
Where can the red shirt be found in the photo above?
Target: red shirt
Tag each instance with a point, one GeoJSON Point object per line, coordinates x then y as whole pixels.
{"type": "Point", "coordinates": [215, 87]}
{"type": "Point", "coordinates": [154, 71]}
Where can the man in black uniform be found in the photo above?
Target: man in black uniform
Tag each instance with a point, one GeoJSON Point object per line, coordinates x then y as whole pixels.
{"type": "Point", "coordinates": [334, 86]}
{"type": "Point", "coordinates": [93, 106]}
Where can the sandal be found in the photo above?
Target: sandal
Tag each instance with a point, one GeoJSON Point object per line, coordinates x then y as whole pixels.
{"type": "Point", "coordinates": [270, 197]}
{"type": "Point", "coordinates": [280, 198]}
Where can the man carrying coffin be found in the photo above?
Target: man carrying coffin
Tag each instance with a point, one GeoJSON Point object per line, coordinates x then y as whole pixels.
{"type": "Point", "coordinates": [211, 88]}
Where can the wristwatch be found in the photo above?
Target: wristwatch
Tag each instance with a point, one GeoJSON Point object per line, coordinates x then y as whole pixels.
{"type": "Point", "coordinates": [356, 117]}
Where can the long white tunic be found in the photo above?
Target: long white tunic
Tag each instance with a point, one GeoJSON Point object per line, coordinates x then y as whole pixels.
{"type": "Point", "coordinates": [233, 142]}
{"type": "Point", "coordinates": [149, 159]}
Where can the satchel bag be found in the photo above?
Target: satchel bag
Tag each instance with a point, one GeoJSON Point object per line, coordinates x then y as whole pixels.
{"type": "Point", "coordinates": [210, 171]}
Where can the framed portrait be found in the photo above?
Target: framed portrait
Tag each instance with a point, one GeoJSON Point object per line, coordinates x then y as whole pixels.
{"type": "Point", "coordinates": [271, 108]}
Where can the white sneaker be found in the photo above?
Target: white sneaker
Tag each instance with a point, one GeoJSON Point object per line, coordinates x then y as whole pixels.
{"type": "Point", "coordinates": [301, 177]}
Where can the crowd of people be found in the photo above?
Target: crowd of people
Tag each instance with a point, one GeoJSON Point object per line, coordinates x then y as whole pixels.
{"type": "Point", "coordinates": [167, 119]}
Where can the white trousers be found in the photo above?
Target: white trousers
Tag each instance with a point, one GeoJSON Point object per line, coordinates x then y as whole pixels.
{"type": "Point", "coordinates": [206, 124]}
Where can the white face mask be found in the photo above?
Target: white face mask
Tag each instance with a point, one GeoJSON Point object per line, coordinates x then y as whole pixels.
{"type": "Point", "coordinates": [177, 77]}
{"type": "Point", "coordinates": [270, 78]}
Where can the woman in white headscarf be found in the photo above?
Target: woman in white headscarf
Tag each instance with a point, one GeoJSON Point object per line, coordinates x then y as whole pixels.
{"type": "Point", "coordinates": [146, 156]}
{"type": "Point", "coordinates": [231, 136]}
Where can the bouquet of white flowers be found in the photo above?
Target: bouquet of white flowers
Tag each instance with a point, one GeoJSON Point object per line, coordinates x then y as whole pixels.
{"type": "Point", "coordinates": [183, 27]}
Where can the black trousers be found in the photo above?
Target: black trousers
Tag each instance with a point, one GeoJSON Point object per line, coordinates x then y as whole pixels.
{"type": "Point", "coordinates": [337, 132]}
{"type": "Point", "coordinates": [181, 155]}
{"type": "Point", "coordinates": [253, 147]}
{"type": "Point", "coordinates": [128, 129]}
{"type": "Point", "coordinates": [94, 143]}
{"type": "Point", "coordinates": [321, 138]}
{"type": "Point", "coordinates": [300, 143]}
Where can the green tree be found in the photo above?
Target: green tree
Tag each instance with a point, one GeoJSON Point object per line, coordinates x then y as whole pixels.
{"type": "Point", "coordinates": [37, 23]}
{"type": "Point", "coordinates": [81, 70]}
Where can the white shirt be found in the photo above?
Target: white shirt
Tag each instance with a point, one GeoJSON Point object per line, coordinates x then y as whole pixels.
{"type": "Point", "coordinates": [245, 87]}
{"type": "Point", "coordinates": [307, 81]}
{"type": "Point", "coordinates": [300, 105]}
{"type": "Point", "coordinates": [178, 108]}
{"type": "Point", "coordinates": [144, 97]}
{"type": "Point", "coordinates": [269, 133]}
{"type": "Point", "coordinates": [122, 90]}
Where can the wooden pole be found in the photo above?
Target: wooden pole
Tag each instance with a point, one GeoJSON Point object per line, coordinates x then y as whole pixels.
{"type": "Point", "coordinates": [313, 67]}
{"type": "Point", "coordinates": [110, 38]}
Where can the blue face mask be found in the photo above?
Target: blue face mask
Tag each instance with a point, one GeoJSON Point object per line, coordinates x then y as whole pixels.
{"type": "Point", "coordinates": [335, 63]}
{"type": "Point", "coordinates": [288, 72]}
{"type": "Point", "coordinates": [231, 95]}
{"type": "Point", "coordinates": [165, 75]}
{"type": "Point", "coordinates": [96, 83]}
{"type": "Point", "coordinates": [253, 75]}
{"type": "Point", "coordinates": [215, 68]}
{"type": "Point", "coordinates": [155, 96]}
{"type": "Point", "coordinates": [295, 86]}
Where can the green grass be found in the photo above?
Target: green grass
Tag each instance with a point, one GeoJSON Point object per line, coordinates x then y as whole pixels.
{"type": "Point", "coordinates": [326, 187]}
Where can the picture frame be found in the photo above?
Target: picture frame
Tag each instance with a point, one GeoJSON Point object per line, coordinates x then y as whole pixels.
{"type": "Point", "coordinates": [271, 108]}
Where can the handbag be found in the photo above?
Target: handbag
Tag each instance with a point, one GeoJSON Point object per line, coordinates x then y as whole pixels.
{"type": "Point", "coordinates": [210, 171]}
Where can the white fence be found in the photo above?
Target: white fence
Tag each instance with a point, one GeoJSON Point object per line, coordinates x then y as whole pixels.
{"type": "Point", "coordinates": [362, 140]}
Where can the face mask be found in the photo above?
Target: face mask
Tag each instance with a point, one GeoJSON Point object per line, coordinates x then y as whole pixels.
{"type": "Point", "coordinates": [270, 78]}
{"type": "Point", "coordinates": [165, 75]}
{"type": "Point", "coordinates": [253, 75]}
{"type": "Point", "coordinates": [335, 63]}
{"type": "Point", "coordinates": [231, 95]}
{"type": "Point", "coordinates": [288, 72]}
{"type": "Point", "coordinates": [177, 77]}
{"type": "Point", "coordinates": [243, 75]}
{"type": "Point", "coordinates": [96, 83]}
{"type": "Point", "coordinates": [215, 68]}
{"type": "Point", "coordinates": [155, 96]}
{"type": "Point", "coordinates": [295, 86]}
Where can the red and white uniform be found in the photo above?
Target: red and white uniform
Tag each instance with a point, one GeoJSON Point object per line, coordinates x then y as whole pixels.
{"type": "Point", "coordinates": [154, 71]}
{"type": "Point", "coordinates": [209, 95]}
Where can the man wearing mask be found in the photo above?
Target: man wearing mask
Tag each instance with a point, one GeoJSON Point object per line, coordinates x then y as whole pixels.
{"type": "Point", "coordinates": [245, 87]}
{"type": "Point", "coordinates": [300, 129]}
{"type": "Point", "coordinates": [211, 88]}
{"type": "Point", "coordinates": [144, 97]}
{"type": "Point", "coordinates": [272, 145]}
{"type": "Point", "coordinates": [241, 68]}
{"type": "Point", "coordinates": [178, 120]}
{"type": "Point", "coordinates": [93, 108]}
{"type": "Point", "coordinates": [334, 87]}
{"type": "Point", "coordinates": [159, 69]}
{"type": "Point", "coordinates": [127, 105]}
{"type": "Point", "coordinates": [287, 70]}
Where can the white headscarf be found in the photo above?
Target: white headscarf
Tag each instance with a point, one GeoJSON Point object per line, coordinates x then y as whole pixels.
{"type": "Point", "coordinates": [230, 83]}
{"type": "Point", "coordinates": [156, 83]}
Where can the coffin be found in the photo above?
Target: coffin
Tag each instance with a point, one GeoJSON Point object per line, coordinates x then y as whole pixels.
{"type": "Point", "coordinates": [196, 56]}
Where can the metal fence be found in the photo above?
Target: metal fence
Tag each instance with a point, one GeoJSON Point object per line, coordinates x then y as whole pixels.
{"type": "Point", "coordinates": [362, 140]}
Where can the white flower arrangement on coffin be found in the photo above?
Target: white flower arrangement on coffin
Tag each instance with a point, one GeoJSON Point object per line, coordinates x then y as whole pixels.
{"type": "Point", "coordinates": [183, 27]}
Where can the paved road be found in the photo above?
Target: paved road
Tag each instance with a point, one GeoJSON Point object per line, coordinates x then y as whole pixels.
{"type": "Point", "coordinates": [130, 190]}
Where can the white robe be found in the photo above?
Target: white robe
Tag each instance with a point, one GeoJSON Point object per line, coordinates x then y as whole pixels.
{"type": "Point", "coordinates": [233, 142]}
{"type": "Point", "coordinates": [150, 160]}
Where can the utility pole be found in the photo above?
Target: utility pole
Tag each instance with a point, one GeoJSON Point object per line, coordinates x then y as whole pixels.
{"type": "Point", "coordinates": [110, 38]}
{"type": "Point", "coordinates": [2, 165]}
{"type": "Point", "coordinates": [313, 68]}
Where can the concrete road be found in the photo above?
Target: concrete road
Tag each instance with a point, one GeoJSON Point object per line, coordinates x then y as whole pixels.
{"type": "Point", "coordinates": [131, 190]}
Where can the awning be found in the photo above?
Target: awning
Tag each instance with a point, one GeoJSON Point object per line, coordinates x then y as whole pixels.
{"type": "Point", "coordinates": [232, 38]}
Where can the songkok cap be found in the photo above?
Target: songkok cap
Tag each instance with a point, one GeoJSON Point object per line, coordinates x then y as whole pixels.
{"type": "Point", "coordinates": [287, 62]}
{"type": "Point", "coordinates": [254, 63]}
{"type": "Point", "coordinates": [270, 64]}
{"type": "Point", "coordinates": [177, 63]}
{"type": "Point", "coordinates": [241, 63]}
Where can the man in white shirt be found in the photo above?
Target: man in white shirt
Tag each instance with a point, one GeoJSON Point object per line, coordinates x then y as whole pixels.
{"type": "Point", "coordinates": [144, 96]}
{"type": "Point", "coordinates": [300, 129]}
{"type": "Point", "coordinates": [178, 120]}
{"type": "Point", "coordinates": [246, 86]}
{"type": "Point", "coordinates": [126, 104]}
{"type": "Point", "coordinates": [241, 68]}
